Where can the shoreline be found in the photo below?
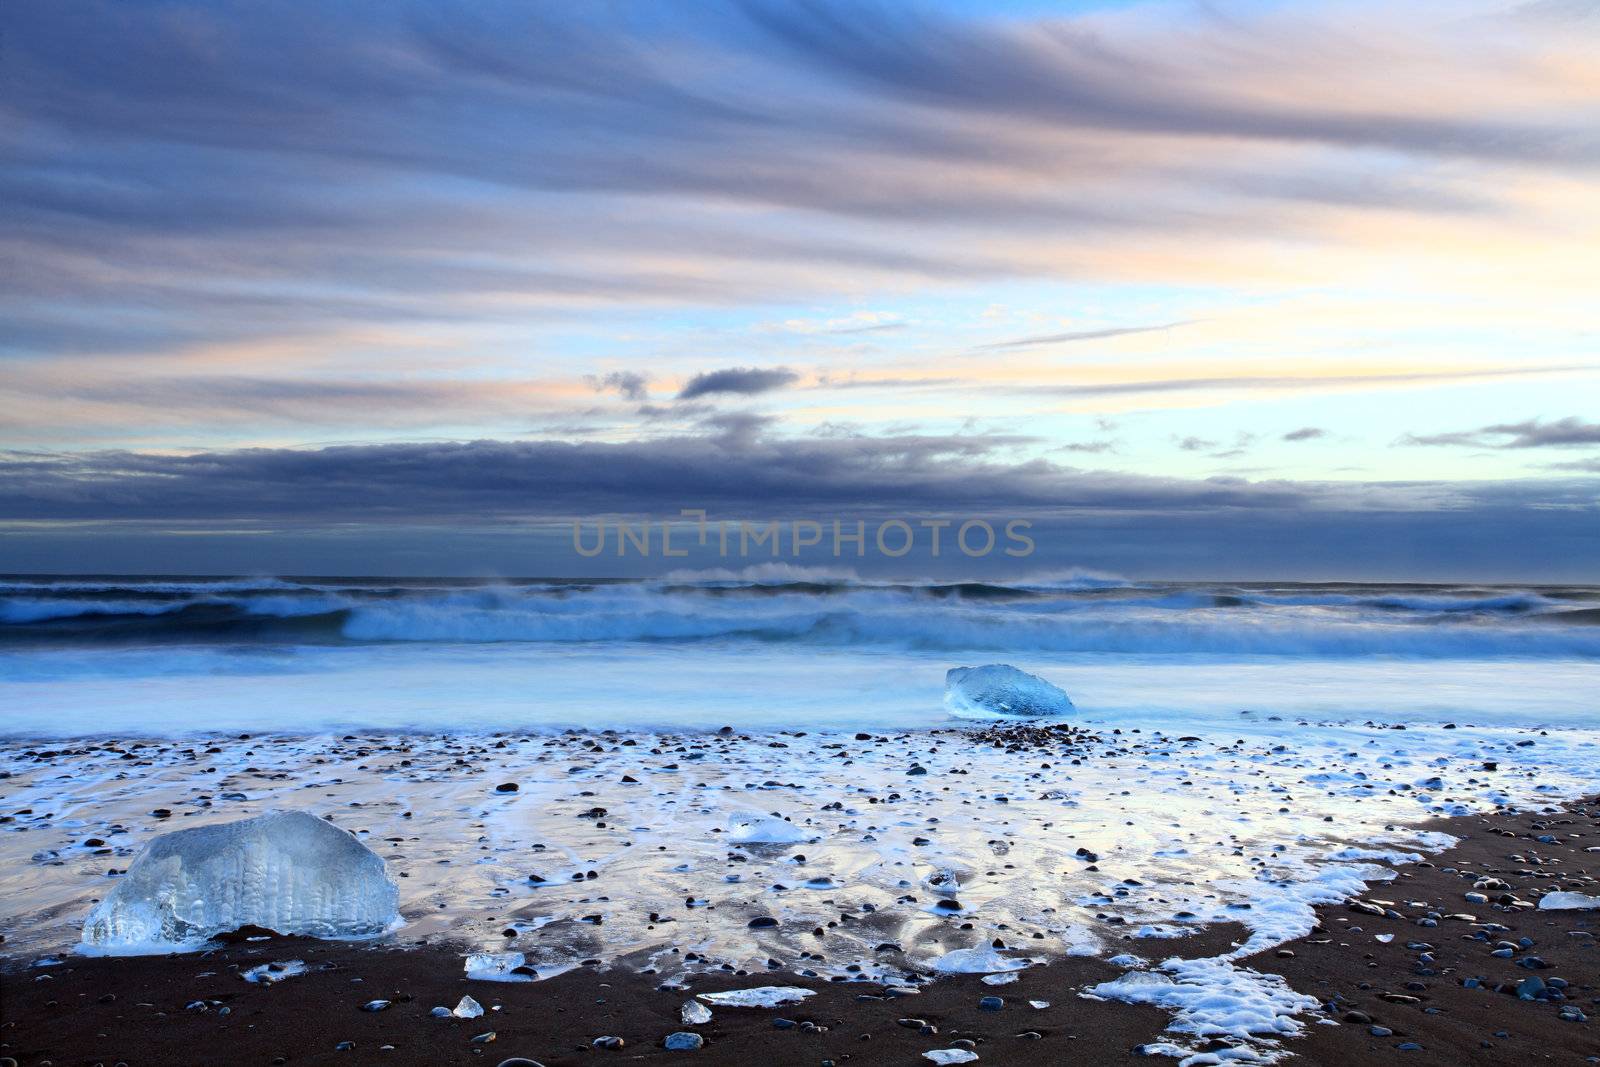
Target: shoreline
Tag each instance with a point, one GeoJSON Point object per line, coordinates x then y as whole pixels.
{"type": "Point", "coordinates": [170, 1009]}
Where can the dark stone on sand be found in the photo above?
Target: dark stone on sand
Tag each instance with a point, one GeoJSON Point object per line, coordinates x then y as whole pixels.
{"type": "Point", "coordinates": [609, 1041]}
{"type": "Point", "coordinates": [246, 932]}
{"type": "Point", "coordinates": [761, 922]}
{"type": "Point", "coordinates": [506, 787]}
{"type": "Point", "coordinates": [519, 1061]}
{"type": "Point", "coordinates": [991, 1003]}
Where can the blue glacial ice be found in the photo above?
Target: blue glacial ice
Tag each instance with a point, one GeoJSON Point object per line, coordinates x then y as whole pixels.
{"type": "Point", "coordinates": [286, 871]}
{"type": "Point", "coordinates": [999, 689]}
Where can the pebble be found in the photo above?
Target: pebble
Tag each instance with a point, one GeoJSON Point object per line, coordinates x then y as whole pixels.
{"type": "Point", "coordinates": [684, 1041]}
{"type": "Point", "coordinates": [609, 1041]}
{"type": "Point", "coordinates": [991, 1003]}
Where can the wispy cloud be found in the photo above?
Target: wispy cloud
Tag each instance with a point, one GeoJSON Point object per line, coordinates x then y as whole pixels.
{"type": "Point", "coordinates": [1082, 335]}
{"type": "Point", "coordinates": [743, 381]}
{"type": "Point", "coordinates": [1298, 382]}
{"type": "Point", "coordinates": [187, 174]}
{"type": "Point", "coordinates": [630, 385]}
{"type": "Point", "coordinates": [1532, 433]}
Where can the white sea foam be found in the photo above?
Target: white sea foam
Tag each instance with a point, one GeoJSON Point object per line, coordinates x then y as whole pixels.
{"type": "Point", "coordinates": [1211, 997]}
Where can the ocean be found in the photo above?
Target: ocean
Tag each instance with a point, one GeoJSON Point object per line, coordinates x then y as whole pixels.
{"type": "Point", "coordinates": [95, 655]}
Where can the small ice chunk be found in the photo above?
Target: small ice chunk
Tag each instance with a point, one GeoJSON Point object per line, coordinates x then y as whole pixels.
{"type": "Point", "coordinates": [976, 961]}
{"type": "Point", "coordinates": [951, 1055]}
{"type": "Point", "coordinates": [695, 1013]}
{"type": "Point", "coordinates": [500, 967]}
{"type": "Point", "coordinates": [1127, 959]}
{"type": "Point", "coordinates": [286, 871]}
{"type": "Point", "coordinates": [767, 996]}
{"type": "Point", "coordinates": [1001, 689]}
{"type": "Point", "coordinates": [467, 1009]}
{"type": "Point", "coordinates": [999, 979]}
{"type": "Point", "coordinates": [751, 828]}
{"type": "Point", "coordinates": [268, 973]}
{"type": "Point", "coordinates": [1038, 1005]}
{"type": "Point", "coordinates": [1568, 902]}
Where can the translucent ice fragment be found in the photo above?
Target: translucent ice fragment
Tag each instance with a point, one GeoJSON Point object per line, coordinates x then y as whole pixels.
{"type": "Point", "coordinates": [976, 961]}
{"type": "Point", "coordinates": [286, 871]}
{"type": "Point", "coordinates": [748, 828]}
{"type": "Point", "coordinates": [767, 996]}
{"type": "Point", "coordinates": [268, 973]}
{"type": "Point", "coordinates": [999, 689]}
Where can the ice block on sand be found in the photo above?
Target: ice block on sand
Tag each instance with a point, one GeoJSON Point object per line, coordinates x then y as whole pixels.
{"type": "Point", "coordinates": [285, 871]}
{"type": "Point", "coordinates": [1001, 689]}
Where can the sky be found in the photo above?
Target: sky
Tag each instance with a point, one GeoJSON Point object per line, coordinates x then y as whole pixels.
{"type": "Point", "coordinates": [1197, 289]}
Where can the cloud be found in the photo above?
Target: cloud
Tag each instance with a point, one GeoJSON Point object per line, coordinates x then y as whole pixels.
{"type": "Point", "coordinates": [1305, 433]}
{"type": "Point", "coordinates": [630, 385]}
{"type": "Point", "coordinates": [187, 173]}
{"type": "Point", "coordinates": [736, 466]}
{"type": "Point", "coordinates": [825, 381]}
{"type": "Point", "coordinates": [1083, 335]}
{"type": "Point", "coordinates": [1215, 449]}
{"type": "Point", "coordinates": [1299, 381]}
{"type": "Point", "coordinates": [674, 411]}
{"type": "Point", "coordinates": [460, 505]}
{"type": "Point", "coordinates": [1563, 433]}
{"type": "Point", "coordinates": [744, 381]}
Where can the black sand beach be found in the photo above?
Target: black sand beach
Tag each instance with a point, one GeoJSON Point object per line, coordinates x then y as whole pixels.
{"type": "Point", "coordinates": [1435, 995]}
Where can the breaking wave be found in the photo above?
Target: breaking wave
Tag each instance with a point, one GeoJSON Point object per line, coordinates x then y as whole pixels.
{"type": "Point", "coordinates": [1066, 613]}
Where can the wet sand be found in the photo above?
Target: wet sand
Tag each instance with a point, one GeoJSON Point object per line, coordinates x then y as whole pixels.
{"type": "Point", "coordinates": [1456, 1005]}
